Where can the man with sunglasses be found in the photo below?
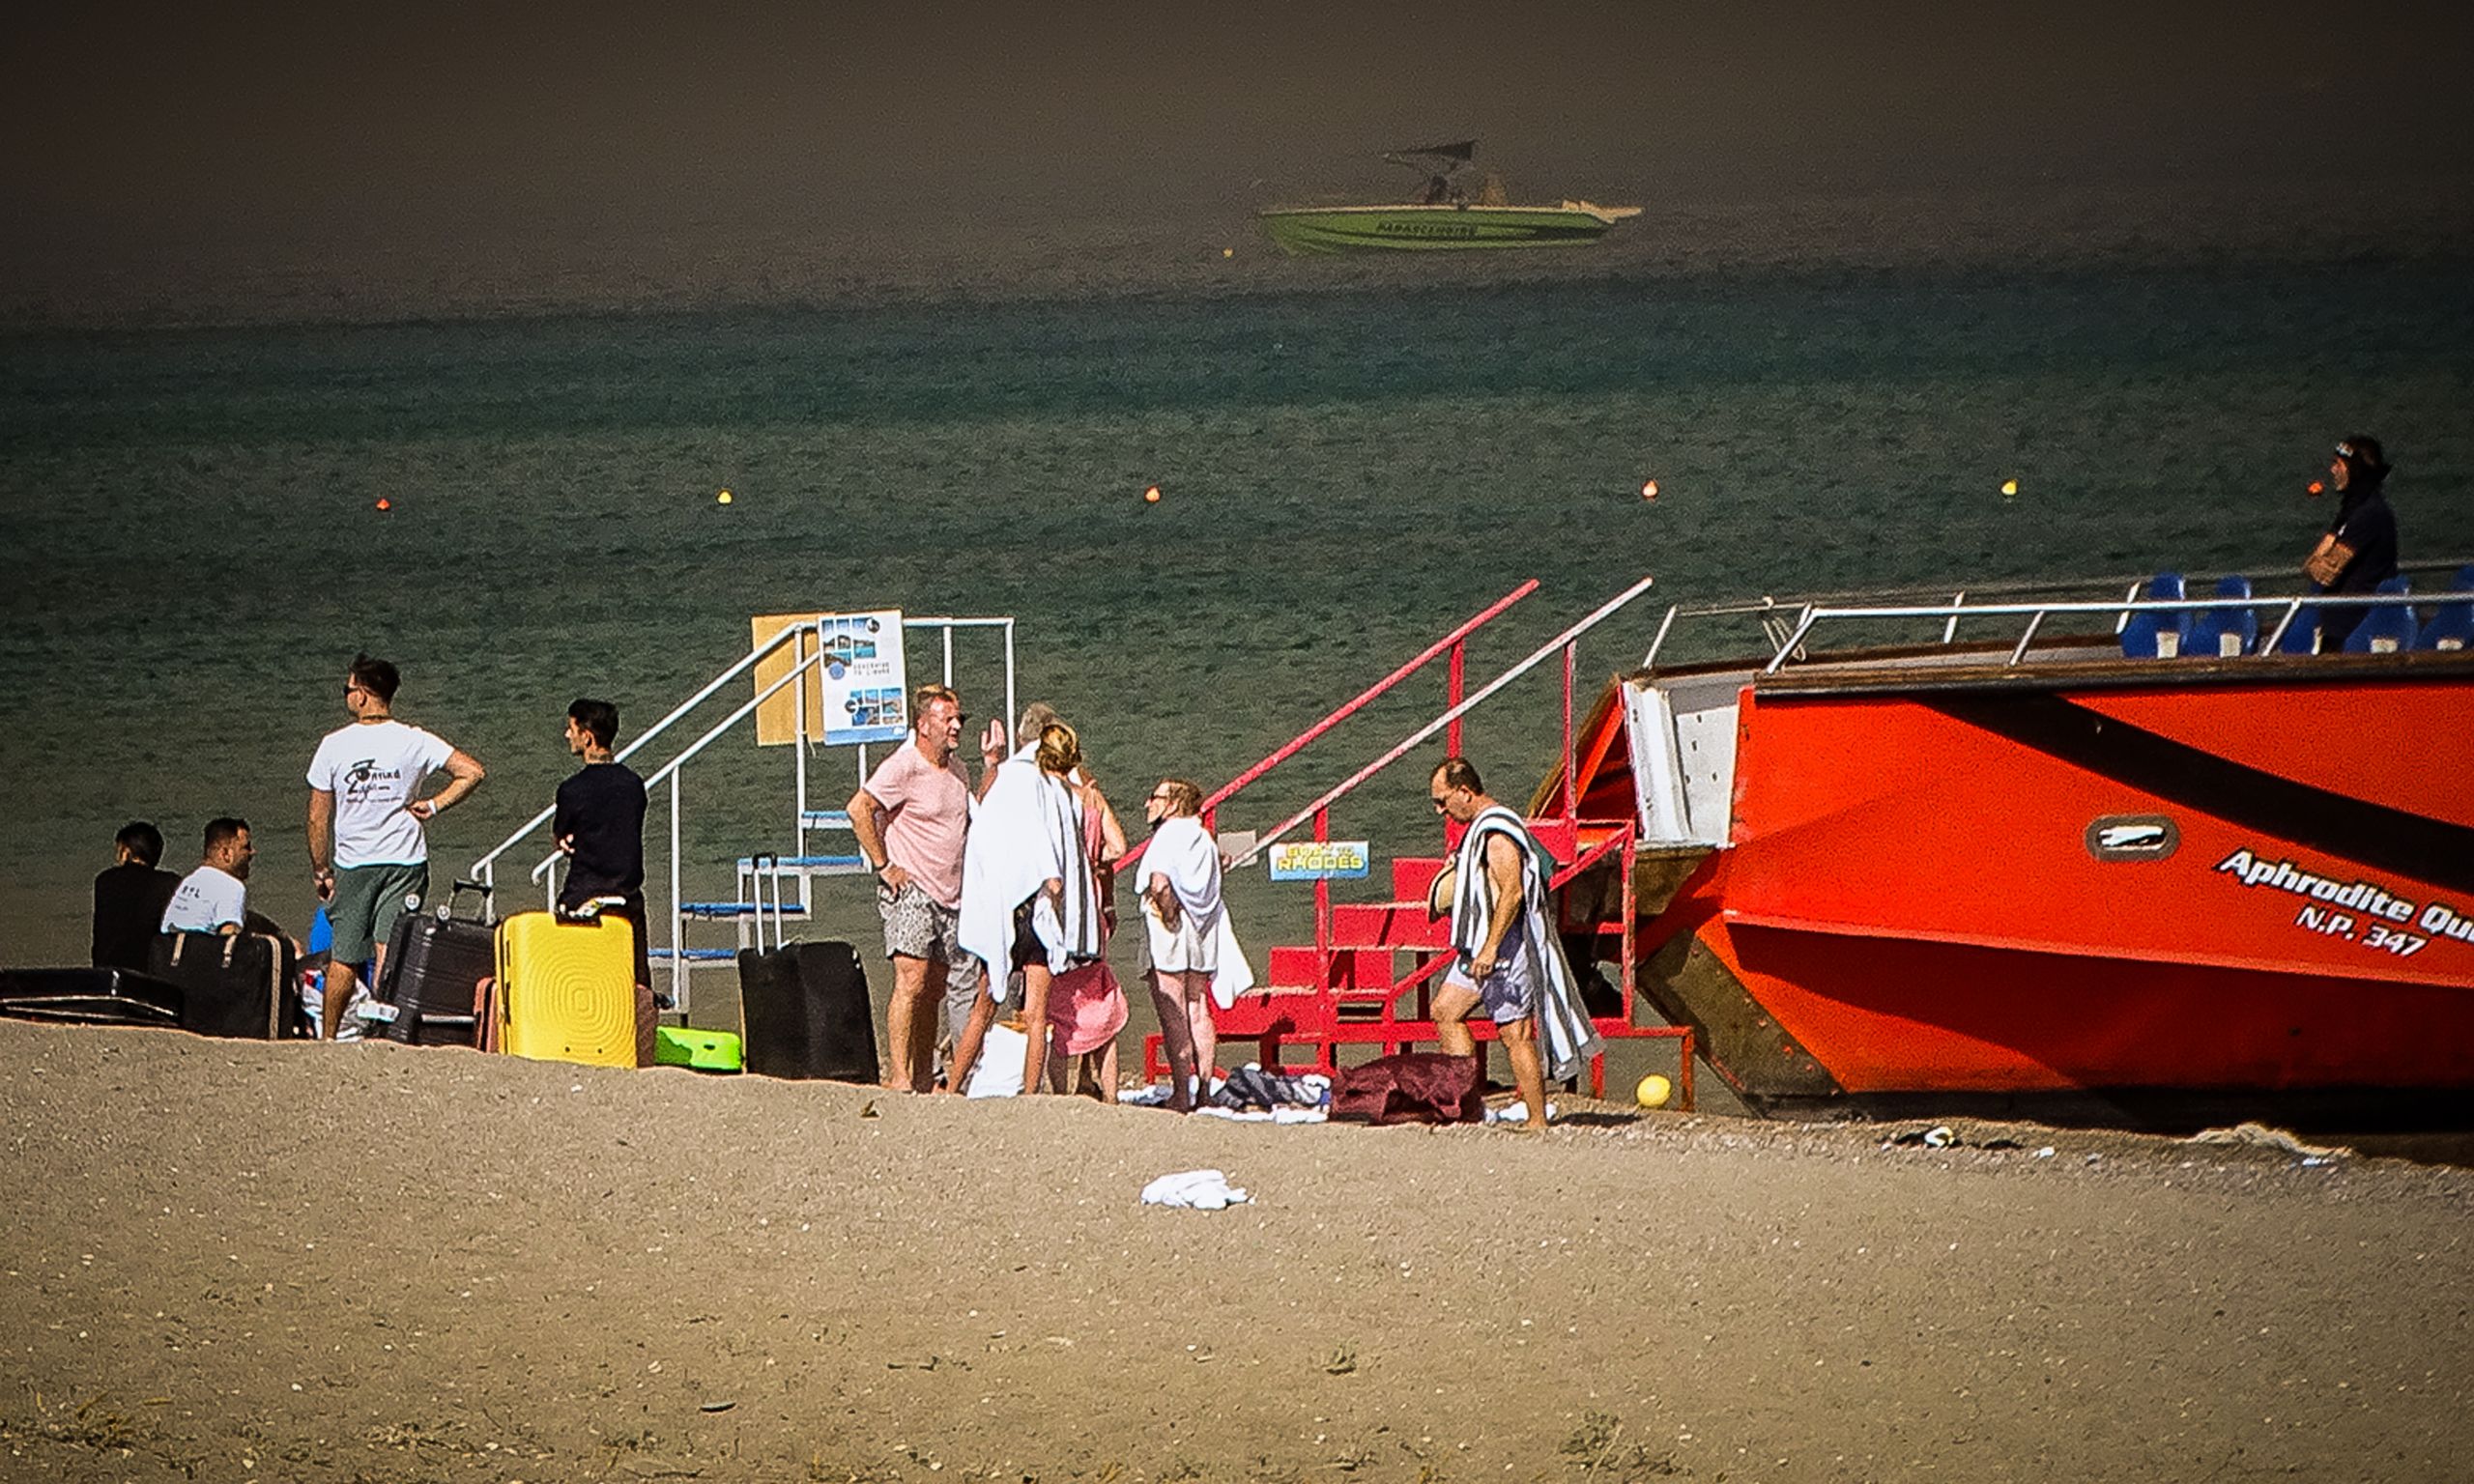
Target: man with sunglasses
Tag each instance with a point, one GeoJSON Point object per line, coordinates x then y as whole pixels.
{"type": "Point", "coordinates": [1507, 957]}
{"type": "Point", "coordinates": [367, 847]}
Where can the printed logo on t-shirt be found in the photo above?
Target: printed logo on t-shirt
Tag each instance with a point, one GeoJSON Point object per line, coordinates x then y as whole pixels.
{"type": "Point", "coordinates": [363, 779]}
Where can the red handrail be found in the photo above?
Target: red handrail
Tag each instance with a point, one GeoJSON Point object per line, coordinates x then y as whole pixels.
{"type": "Point", "coordinates": [1298, 743]}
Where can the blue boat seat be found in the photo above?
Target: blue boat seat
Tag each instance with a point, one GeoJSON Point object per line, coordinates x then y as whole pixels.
{"type": "Point", "coordinates": [2302, 635]}
{"type": "Point", "coordinates": [2143, 635]}
{"type": "Point", "coordinates": [2451, 625]}
{"type": "Point", "coordinates": [2384, 629]}
{"type": "Point", "coordinates": [2218, 633]}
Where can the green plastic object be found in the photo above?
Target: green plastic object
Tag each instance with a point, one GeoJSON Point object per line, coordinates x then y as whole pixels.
{"type": "Point", "coordinates": [680, 1046]}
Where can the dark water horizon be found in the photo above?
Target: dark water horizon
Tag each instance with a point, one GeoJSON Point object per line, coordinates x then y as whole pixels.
{"type": "Point", "coordinates": [1352, 459]}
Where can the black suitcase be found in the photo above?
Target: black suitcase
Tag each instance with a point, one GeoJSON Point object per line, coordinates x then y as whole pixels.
{"type": "Point", "coordinates": [427, 994]}
{"type": "Point", "coordinates": [804, 1008]}
{"type": "Point", "coordinates": [243, 984]}
{"type": "Point", "coordinates": [89, 997]}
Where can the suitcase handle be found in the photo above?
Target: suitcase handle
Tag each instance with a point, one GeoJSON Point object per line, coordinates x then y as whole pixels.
{"type": "Point", "coordinates": [447, 908]}
{"type": "Point", "coordinates": [760, 866]}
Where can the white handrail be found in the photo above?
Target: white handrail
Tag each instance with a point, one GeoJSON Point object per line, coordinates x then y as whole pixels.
{"type": "Point", "coordinates": [485, 869]}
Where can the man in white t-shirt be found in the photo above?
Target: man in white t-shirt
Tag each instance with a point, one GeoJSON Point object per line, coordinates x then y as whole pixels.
{"type": "Point", "coordinates": [366, 846]}
{"type": "Point", "coordinates": [215, 897]}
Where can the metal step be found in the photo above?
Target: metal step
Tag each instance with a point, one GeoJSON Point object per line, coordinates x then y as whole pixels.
{"type": "Point", "coordinates": [1387, 925]}
{"type": "Point", "coordinates": [727, 911]}
{"type": "Point", "coordinates": [807, 865]}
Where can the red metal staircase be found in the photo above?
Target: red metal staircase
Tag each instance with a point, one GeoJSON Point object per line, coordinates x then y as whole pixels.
{"type": "Point", "coordinates": [1367, 977]}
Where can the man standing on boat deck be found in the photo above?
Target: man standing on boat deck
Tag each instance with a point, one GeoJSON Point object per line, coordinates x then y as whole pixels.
{"type": "Point", "coordinates": [1507, 957]}
{"type": "Point", "coordinates": [368, 848]}
{"type": "Point", "coordinates": [910, 818]}
{"type": "Point", "coordinates": [2359, 550]}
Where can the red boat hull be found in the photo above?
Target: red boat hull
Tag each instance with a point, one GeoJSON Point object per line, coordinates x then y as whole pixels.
{"type": "Point", "coordinates": [2146, 893]}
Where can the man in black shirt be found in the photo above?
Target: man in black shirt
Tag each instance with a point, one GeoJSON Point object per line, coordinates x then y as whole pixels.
{"type": "Point", "coordinates": [601, 825]}
{"type": "Point", "coordinates": [2359, 550]}
{"type": "Point", "coordinates": [130, 898]}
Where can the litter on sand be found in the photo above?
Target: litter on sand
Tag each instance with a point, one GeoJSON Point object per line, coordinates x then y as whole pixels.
{"type": "Point", "coordinates": [1518, 1113]}
{"type": "Point", "coordinates": [2262, 1137]}
{"type": "Point", "coordinates": [1198, 1189]}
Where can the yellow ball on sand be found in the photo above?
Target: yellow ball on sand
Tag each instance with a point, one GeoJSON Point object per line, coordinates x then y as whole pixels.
{"type": "Point", "coordinates": [723, 498]}
{"type": "Point", "coordinates": [2009, 486]}
{"type": "Point", "coordinates": [1653, 1091]}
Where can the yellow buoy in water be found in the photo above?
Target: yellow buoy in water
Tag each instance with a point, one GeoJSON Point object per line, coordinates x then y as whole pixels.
{"type": "Point", "coordinates": [723, 498]}
{"type": "Point", "coordinates": [1653, 1092]}
{"type": "Point", "coordinates": [2010, 487]}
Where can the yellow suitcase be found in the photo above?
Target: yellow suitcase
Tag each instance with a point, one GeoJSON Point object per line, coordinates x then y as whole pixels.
{"type": "Point", "coordinates": [566, 990]}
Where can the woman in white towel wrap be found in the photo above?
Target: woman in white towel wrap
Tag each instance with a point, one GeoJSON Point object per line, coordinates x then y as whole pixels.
{"type": "Point", "coordinates": [1193, 951]}
{"type": "Point", "coordinates": [1030, 906]}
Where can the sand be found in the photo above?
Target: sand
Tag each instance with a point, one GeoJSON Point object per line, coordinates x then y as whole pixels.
{"type": "Point", "coordinates": [238, 1260]}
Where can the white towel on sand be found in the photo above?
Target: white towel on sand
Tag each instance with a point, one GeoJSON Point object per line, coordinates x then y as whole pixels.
{"type": "Point", "coordinates": [1199, 1189]}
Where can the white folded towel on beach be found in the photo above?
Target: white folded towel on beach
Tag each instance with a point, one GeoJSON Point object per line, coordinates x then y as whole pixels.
{"type": "Point", "coordinates": [1199, 1189]}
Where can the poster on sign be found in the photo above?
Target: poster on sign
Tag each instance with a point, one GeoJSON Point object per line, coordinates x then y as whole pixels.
{"type": "Point", "coordinates": [859, 657]}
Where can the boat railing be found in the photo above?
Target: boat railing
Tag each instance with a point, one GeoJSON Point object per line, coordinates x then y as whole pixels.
{"type": "Point", "coordinates": [1788, 624]}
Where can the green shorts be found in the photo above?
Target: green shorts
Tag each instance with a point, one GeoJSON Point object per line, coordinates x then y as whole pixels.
{"type": "Point", "coordinates": [368, 901]}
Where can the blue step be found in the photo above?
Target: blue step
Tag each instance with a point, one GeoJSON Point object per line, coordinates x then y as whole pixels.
{"type": "Point", "coordinates": [817, 863]}
{"type": "Point", "coordinates": [717, 910]}
{"type": "Point", "coordinates": [694, 954]}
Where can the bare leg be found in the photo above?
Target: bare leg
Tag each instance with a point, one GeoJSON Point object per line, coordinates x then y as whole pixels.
{"type": "Point", "coordinates": [1452, 1005]}
{"type": "Point", "coordinates": [1108, 1073]}
{"type": "Point", "coordinates": [1035, 983]}
{"type": "Point", "coordinates": [907, 1070]}
{"type": "Point", "coordinates": [341, 980]}
{"type": "Point", "coordinates": [923, 1027]}
{"type": "Point", "coordinates": [1176, 1037]}
{"type": "Point", "coordinates": [1204, 1030]}
{"type": "Point", "coordinates": [966, 1040]}
{"type": "Point", "coordinates": [1527, 1073]}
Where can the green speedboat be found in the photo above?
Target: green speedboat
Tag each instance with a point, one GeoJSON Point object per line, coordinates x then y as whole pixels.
{"type": "Point", "coordinates": [1443, 219]}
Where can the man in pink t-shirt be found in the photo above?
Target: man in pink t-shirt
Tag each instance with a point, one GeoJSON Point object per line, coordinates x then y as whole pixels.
{"type": "Point", "coordinates": [910, 818]}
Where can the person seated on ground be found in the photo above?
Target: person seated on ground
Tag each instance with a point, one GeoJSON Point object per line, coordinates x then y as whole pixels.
{"type": "Point", "coordinates": [129, 898]}
{"type": "Point", "coordinates": [215, 897]}
{"type": "Point", "coordinates": [2358, 551]}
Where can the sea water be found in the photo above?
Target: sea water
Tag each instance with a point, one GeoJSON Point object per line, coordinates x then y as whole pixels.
{"type": "Point", "coordinates": [191, 548]}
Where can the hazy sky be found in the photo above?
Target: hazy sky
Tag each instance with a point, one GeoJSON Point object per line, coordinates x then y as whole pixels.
{"type": "Point", "coordinates": [223, 126]}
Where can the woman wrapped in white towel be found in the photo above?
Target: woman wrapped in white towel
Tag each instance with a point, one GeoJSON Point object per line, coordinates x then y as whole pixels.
{"type": "Point", "coordinates": [1192, 949]}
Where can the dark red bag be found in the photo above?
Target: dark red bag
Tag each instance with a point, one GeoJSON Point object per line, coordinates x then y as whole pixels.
{"type": "Point", "coordinates": [1413, 1087]}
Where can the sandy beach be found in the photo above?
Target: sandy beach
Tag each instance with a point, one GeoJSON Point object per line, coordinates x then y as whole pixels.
{"type": "Point", "coordinates": [233, 1261]}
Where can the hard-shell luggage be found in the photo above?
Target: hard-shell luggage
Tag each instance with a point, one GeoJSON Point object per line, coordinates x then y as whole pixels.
{"type": "Point", "coordinates": [805, 1009]}
{"type": "Point", "coordinates": [425, 995]}
{"type": "Point", "coordinates": [89, 997]}
{"type": "Point", "coordinates": [243, 984]}
{"type": "Point", "coordinates": [566, 990]}
{"type": "Point", "coordinates": [681, 1045]}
